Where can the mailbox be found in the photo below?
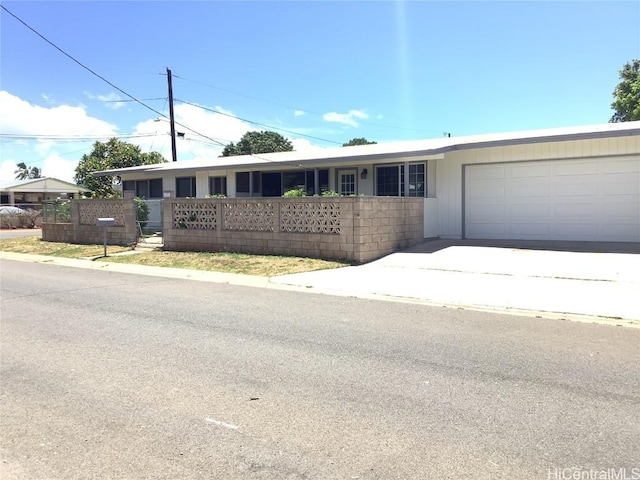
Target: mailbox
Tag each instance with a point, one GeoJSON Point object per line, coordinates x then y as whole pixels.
{"type": "Point", "coordinates": [105, 222]}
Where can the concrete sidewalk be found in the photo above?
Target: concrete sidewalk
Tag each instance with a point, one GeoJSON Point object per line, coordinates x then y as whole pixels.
{"type": "Point", "coordinates": [567, 283]}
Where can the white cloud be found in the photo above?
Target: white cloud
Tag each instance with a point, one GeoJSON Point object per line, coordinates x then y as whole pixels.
{"type": "Point", "coordinates": [215, 131]}
{"type": "Point", "coordinates": [58, 157]}
{"type": "Point", "coordinates": [18, 116]}
{"type": "Point", "coordinates": [7, 167]}
{"type": "Point", "coordinates": [111, 101]}
{"type": "Point", "coordinates": [298, 113]}
{"type": "Point", "coordinates": [301, 144]}
{"type": "Point", "coordinates": [345, 118]}
{"type": "Point", "coordinates": [48, 135]}
{"type": "Point", "coordinates": [52, 166]}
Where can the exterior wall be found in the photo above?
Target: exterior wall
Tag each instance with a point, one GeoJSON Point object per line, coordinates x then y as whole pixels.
{"type": "Point", "coordinates": [449, 171]}
{"type": "Point", "coordinates": [358, 229]}
{"type": "Point", "coordinates": [431, 219]}
{"type": "Point", "coordinates": [202, 184]}
{"type": "Point", "coordinates": [83, 230]}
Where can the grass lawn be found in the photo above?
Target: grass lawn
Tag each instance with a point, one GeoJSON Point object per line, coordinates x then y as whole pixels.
{"type": "Point", "coordinates": [36, 246]}
{"type": "Point", "coordinates": [263, 265]}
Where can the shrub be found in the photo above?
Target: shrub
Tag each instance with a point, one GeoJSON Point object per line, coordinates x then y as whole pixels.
{"type": "Point", "coordinates": [296, 192]}
{"type": "Point", "coordinates": [62, 211]}
{"type": "Point", "coordinates": [142, 210]}
{"type": "Point", "coordinates": [329, 193]}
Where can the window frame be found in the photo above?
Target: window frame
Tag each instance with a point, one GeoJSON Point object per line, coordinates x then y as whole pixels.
{"type": "Point", "coordinates": [192, 187]}
{"type": "Point", "coordinates": [221, 180]}
{"type": "Point", "coordinates": [149, 188]}
{"type": "Point", "coordinates": [417, 179]}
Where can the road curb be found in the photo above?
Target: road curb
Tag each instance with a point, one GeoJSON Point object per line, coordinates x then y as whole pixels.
{"type": "Point", "coordinates": [269, 282]}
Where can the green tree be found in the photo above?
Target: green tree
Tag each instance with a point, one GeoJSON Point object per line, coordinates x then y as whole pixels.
{"type": "Point", "coordinates": [23, 172]}
{"type": "Point", "coordinates": [110, 155]}
{"type": "Point", "coordinates": [357, 141]}
{"type": "Point", "coordinates": [627, 94]}
{"type": "Point", "coordinates": [258, 142]}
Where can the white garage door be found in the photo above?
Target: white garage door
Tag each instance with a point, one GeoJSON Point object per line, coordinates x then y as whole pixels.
{"type": "Point", "coordinates": [595, 199]}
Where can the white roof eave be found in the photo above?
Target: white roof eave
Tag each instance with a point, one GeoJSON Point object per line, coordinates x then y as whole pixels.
{"type": "Point", "coordinates": [430, 149]}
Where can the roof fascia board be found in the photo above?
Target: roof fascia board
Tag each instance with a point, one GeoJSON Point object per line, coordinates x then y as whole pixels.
{"type": "Point", "coordinates": [546, 139]}
{"type": "Point", "coordinates": [305, 164]}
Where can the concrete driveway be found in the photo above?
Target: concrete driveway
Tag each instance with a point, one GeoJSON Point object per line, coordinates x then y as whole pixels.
{"type": "Point", "coordinates": [564, 278]}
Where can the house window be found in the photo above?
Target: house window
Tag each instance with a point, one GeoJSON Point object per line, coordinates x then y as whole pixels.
{"type": "Point", "coordinates": [217, 185]}
{"type": "Point", "coordinates": [242, 183]}
{"type": "Point", "coordinates": [155, 188]}
{"type": "Point", "coordinates": [417, 179]}
{"type": "Point", "coordinates": [323, 180]}
{"type": "Point", "coordinates": [293, 181]}
{"type": "Point", "coordinates": [390, 180]}
{"type": "Point", "coordinates": [185, 187]}
{"type": "Point", "coordinates": [144, 188]}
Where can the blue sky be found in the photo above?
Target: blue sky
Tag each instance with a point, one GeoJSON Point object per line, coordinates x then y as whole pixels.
{"type": "Point", "coordinates": [331, 70]}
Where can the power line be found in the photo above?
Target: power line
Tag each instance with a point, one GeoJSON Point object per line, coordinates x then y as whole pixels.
{"type": "Point", "coordinates": [256, 123]}
{"type": "Point", "coordinates": [79, 62]}
{"type": "Point", "coordinates": [141, 102]}
{"type": "Point", "coordinates": [101, 77]}
{"type": "Point", "coordinates": [299, 109]}
{"type": "Point", "coordinates": [69, 138]}
{"type": "Point", "coordinates": [50, 102]}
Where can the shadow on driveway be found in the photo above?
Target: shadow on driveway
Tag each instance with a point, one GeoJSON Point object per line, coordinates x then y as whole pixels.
{"type": "Point", "coordinates": [432, 246]}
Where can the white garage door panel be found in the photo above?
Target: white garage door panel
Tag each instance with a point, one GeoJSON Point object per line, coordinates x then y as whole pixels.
{"type": "Point", "coordinates": [570, 230]}
{"type": "Point", "coordinates": [575, 170]}
{"type": "Point", "coordinates": [488, 188]}
{"type": "Point", "coordinates": [529, 171]}
{"type": "Point", "coordinates": [576, 212]}
{"type": "Point", "coordinates": [530, 211]}
{"type": "Point", "coordinates": [492, 171]}
{"type": "Point", "coordinates": [621, 184]}
{"type": "Point", "coordinates": [481, 230]}
{"type": "Point", "coordinates": [529, 187]}
{"type": "Point", "coordinates": [621, 166]}
{"type": "Point", "coordinates": [518, 229]}
{"type": "Point", "coordinates": [595, 200]}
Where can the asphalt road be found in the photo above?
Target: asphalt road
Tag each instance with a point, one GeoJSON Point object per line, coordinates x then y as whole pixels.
{"type": "Point", "coordinates": [107, 375]}
{"type": "Point", "coordinates": [19, 232]}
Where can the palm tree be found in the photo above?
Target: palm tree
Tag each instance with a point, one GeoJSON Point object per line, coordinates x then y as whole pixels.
{"type": "Point", "coordinates": [23, 172]}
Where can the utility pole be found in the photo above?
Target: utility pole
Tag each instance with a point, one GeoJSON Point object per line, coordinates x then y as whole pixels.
{"type": "Point", "coordinates": [174, 155]}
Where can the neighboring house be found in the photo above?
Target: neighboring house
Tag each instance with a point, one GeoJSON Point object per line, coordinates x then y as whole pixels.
{"type": "Point", "coordinates": [579, 183]}
{"type": "Point", "coordinates": [36, 190]}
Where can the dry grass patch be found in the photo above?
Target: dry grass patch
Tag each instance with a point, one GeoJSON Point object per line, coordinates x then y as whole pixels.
{"type": "Point", "coordinates": [36, 246]}
{"type": "Point", "coordinates": [262, 265]}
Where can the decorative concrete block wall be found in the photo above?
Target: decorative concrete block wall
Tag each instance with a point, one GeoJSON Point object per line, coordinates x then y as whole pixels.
{"type": "Point", "coordinates": [82, 227]}
{"type": "Point", "coordinates": [358, 229]}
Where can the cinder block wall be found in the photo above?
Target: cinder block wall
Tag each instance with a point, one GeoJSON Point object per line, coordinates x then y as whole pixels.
{"type": "Point", "coordinates": [358, 229]}
{"type": "Point", "coordinates": [58, 232]}
{"type": "Point", "coordinates": [83, 229]}
{"type": "Point", "coordinates": [383, 225]}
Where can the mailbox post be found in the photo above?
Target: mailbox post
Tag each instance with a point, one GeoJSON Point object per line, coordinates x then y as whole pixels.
{"type": "Point", "coordinates": [105, 223]}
